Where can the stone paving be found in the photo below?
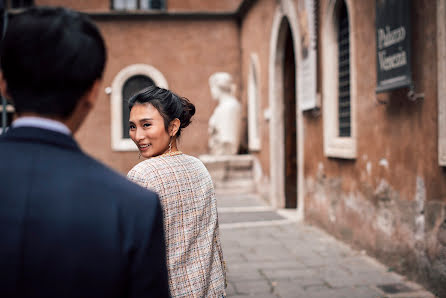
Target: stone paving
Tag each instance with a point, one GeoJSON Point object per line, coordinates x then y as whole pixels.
{"type": "Point", "coordinates": [273, 255]}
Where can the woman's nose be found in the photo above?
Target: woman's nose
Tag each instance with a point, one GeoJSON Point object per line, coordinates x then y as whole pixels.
{"type": "Point", "coordinates": [139, 135]}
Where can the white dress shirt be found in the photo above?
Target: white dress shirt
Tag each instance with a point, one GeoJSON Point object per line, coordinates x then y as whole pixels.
{"type": "Point", "coordinates": [43, 123]}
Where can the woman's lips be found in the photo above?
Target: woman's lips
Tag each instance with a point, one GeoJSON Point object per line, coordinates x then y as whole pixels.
{"type": "Point", "coordinates": [143, 147]}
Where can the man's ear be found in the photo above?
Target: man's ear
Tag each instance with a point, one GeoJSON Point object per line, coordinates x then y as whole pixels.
{"type": "Point", "coordinates": [83, 107]}
{"type": "Point", "coordinates": [91, 95]}
{"type": "Point", "coordinates": [4, 87]}
{"type": "Point", "coordinates": [174, 126]}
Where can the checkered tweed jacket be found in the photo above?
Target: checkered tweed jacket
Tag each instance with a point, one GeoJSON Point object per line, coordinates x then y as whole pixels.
{"type": "Point", "coordinates": [194, 255]}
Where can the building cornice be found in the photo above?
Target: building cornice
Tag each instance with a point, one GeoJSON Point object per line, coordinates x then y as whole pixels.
{"type": "Point", "coordinates": [160, 15]}
{"type": "Point", "coordinates": [238, 14]}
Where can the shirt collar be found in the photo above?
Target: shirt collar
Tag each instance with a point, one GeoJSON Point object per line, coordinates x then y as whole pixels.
{"type": "Point", "coordinates": [43, 123]}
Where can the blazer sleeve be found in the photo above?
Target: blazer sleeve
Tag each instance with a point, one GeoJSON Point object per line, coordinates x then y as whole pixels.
{"type": "Point", "coordinates": [149, 269]}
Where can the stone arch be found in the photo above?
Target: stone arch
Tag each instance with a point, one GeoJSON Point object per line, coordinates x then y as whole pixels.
{"type": "Point", "coordinates": [284, 11]}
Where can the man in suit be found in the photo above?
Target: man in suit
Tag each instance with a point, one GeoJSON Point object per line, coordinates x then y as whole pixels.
{"type": "Point", "coordinates": [69, 226]}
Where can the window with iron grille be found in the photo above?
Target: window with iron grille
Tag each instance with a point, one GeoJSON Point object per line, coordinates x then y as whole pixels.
{"type": "Point", "coordinates": [344, 111]}
{"type": "Point", "coordinates": [339, 84]}
{"type": "Point", "coordinates": [15, 4]}
{"type": "Point", "coordinates": [138, 4]}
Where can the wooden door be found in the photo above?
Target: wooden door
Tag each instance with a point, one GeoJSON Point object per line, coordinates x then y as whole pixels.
{"type": "Point", "coordinates": [289, 88]}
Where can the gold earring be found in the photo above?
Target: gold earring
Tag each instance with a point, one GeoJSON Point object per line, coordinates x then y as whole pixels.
{"type": "Point", "coordinates": [170, 145]}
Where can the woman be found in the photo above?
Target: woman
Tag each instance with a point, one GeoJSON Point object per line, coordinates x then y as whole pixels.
{"type": "Point", "coordinates": [194, 256]}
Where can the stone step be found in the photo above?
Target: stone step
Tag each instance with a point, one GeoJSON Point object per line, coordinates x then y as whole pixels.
{"type": "Point", "coordinates": [231, 173]}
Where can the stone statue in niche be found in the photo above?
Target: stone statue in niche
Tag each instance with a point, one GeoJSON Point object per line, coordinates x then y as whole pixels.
{"type": "Point", "coordinates": [225, 122]}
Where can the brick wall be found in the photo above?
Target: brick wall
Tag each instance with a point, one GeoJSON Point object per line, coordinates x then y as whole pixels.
{"type": "Point", "coordinates": [186, 52]}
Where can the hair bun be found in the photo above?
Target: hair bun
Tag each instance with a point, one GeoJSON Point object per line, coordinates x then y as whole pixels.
{"type": "Point", "coordinates": [188, 112]}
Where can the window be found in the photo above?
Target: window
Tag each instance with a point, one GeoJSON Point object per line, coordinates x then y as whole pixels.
{"type": "Point", "coordinates": [138, 4]}
{"type": "Point", "coordinates": [344, 75]}
{"type": "Point", "coordinates": [126, 83]}
{"type": "Point", "coordinates": [14, 4]}
{"type": "Point", "coordinates": [338, 87]}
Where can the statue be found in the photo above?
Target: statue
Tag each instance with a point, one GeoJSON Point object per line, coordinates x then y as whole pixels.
{"type": "Point", "coordinates": [225, 122]}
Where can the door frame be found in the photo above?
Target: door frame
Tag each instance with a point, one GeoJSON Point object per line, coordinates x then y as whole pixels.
{"type": "Point", "coordinates": [285, 9]}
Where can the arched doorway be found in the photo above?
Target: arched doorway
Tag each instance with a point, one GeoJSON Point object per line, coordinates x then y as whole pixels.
{"type": "Point", "coordinates": [286, 124]}
{"type": "Point", "coordinates": [290, 125]}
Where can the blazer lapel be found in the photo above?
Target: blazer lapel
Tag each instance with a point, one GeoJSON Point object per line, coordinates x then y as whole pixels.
{"type": "Point", "coordinates": [39, 135]}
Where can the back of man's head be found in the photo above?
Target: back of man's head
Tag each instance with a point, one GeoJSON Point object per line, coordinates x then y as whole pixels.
{"type": "Point", "coordinates": [50, 57]}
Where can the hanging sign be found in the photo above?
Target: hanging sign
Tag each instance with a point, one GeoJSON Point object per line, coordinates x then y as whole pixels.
{"type": "Point", "coordinates": [393, 44]}
{"type": "Point", "coordinates": [307, 67]}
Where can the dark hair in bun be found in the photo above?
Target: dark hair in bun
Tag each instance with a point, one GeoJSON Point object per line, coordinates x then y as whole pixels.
{"type": "Point", "coordinates": [168, 104]}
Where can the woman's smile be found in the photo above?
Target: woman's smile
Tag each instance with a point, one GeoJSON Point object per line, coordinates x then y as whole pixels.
{"type": "Point", "coordinates": [143, 147]}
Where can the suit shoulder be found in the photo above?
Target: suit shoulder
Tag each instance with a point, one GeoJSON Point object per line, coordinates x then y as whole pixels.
{"type": "Point", "coordinates": [117, 185]}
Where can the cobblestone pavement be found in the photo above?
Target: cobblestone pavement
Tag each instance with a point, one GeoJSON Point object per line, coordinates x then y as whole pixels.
{"type": "Point", "coordinates": [270, 254]}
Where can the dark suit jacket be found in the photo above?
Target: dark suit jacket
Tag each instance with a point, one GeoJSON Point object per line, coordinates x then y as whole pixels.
{"type": "Point", "coordinates": [71, 227]}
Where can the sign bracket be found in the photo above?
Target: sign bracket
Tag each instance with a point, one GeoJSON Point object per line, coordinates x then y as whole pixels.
{"type": "Point", "coordinates": [412, 95]}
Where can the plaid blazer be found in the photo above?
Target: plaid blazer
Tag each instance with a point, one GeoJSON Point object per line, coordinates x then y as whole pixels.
{"type": "Point", "coordinates": [194, 254]}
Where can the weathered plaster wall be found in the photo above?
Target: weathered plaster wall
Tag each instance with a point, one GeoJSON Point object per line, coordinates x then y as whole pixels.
{"type": "Point", "coordinates": [186, 52]}
{"type": "Point", "coordinates": [391, 199]}
{"type": "Point", "coordinates": [255, 39]}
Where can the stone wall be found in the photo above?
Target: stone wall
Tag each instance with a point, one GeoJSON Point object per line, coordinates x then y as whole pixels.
{"type": "Point", "coordinates": [255, 40]}
{"type": "Point", "coordinates": [391, 199]}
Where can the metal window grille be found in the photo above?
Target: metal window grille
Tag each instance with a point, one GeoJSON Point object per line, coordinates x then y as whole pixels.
{"type": "Point", "coordinates": [156, 4]}
{"type": "Point", "coordinates": [20, 3]}
{"type": "Point", "coordinates": [344, 107]}
{"type": "Point", "coordinates": [138, 4]}
{"type": "Point", "coordinates": [131, 86]}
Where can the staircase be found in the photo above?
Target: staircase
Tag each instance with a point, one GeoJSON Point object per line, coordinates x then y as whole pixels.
{"type": "Point", "coordinates": [231, 173]}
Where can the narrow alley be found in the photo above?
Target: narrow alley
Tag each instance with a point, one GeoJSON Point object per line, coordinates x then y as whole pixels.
{"type": "Point", "coordinates": [270, 254]}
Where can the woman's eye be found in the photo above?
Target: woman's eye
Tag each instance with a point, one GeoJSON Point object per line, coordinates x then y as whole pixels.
{"type": "Point", "coordinates": [132, 126]}
{"type": "Point", "coordinates": [146, 124]}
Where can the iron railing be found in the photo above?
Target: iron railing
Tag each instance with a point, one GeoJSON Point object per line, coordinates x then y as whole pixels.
{"type": "Point", "coordinates": [344, 104]}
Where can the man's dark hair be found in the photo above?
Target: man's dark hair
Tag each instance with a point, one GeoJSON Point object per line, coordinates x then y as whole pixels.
{"type": "Point", "coordinates": [50, 57]}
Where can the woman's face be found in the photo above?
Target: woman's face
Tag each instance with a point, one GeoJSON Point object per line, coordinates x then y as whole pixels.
{"type": "Point", "coordinates": [147, 130]}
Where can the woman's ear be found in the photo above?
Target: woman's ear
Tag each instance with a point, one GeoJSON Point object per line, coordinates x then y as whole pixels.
{"type": "Point", "coordinates": [4, 88]}
{"type": "Point", "coordinates": [174, 126]}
